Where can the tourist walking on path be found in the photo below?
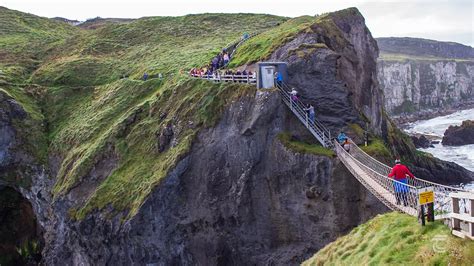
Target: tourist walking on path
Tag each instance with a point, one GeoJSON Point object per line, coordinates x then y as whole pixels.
{"type": "Point", "coordinates": [226, 58]}
{"type": "Point", "coordinates": [294, 95]}
{"type": "Point", "coordinates": [311, 113]}
{"type": "Point", "coordinates": [399, 174]}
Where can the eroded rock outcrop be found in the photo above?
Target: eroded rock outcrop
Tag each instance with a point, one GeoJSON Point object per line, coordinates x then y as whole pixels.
{"type": "Point", "coordinates": [459, 135]}
{"type": "Point", "coordinates": [421, 141]}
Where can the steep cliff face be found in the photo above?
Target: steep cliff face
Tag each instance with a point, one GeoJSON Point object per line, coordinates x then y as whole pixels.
{"type": "Point", "coordinates": [240, 196]}
{"type": "Point", "coordinates": [424, 79]}
{"type": "Point", "coordinates": [123, 187]}
{"type": "Point", "coordinates": [333, 64]}
{"type": "Point", "coordinates": [417, 86]}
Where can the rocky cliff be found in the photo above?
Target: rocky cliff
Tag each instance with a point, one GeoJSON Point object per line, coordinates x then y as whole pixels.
{"type": "Point", "coordinates": [181, 171]}
{"type": "Point", "coordinates": [459, 135]}
{"type": "Point", "coordinates": [424, 77]}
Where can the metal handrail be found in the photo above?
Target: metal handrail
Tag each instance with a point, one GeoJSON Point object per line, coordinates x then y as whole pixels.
{"type": "Point", "coordinates": [318, 130]}
{"type": "Point", "coordinates": [233, 78]}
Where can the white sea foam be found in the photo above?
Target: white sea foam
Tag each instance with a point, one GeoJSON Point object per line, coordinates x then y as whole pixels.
{"type": "Point", "coordinates": [462, 155]}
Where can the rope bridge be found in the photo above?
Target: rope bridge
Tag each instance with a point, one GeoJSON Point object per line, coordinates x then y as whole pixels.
{"type": "Point", "coordinates": [371, 173]}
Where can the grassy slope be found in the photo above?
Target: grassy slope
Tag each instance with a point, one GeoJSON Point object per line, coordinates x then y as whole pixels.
{"type": "Point", "coordinates": [405, 57]}
{"type": "Point", "coordinates": [155, 45]}
{"type": "Point", "coordinates": [262, 46]}
{"type": "Point", "coordinates": [395, 239]}
{"type": "Point", "coordinates": [25, 40]}
{"type": "Point", "coordinates": [303, 147]}
{"type": "Point", "coordinates": [91, 113]}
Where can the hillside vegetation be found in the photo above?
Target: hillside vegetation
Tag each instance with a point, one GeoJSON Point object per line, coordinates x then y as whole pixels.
{"type": "Point", "coordinates": [396, 239]}
{"type": "Point", "coordinates": [404, 48]}
{"type": "Point", "coordinates": [83, 92]}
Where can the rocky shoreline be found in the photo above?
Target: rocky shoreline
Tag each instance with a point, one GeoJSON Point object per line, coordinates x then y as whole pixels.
{"type": "Point", "coordinates": [459, 135]}
{"type": "Point", "coordinates": [402, 121]}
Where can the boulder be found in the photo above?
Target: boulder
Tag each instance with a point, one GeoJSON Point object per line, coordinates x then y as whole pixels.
{"type": "Point", "coordinates": [459, 135]}
{"type": "Point", "coordinates": [421, 142]}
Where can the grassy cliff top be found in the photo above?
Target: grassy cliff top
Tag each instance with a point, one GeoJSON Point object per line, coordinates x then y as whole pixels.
{"type": "Point", "coordinates": [396, 239]}
{"type": "Point", "coordinates": [85, 87]}
{"type": "Point", "coordinates": [404, 48]}
{"type": "Point", "coordinates": [70, 80]}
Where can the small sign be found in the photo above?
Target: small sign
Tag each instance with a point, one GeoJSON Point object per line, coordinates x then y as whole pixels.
{"type": "Point", "coordinates": [425, 196]}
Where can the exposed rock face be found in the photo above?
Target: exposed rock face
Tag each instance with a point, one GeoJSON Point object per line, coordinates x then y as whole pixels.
{"type": "Point", "coordinates": [338, 78]}
{"type": "Point", "coordinates": [421, 141]}
{"type": "Point", "coordinates": [459, 135]}
{"type": "Point", "coordinates": [417, 87]}
{"type": "Point", "coordinates": [9, 111]}
{"type": "Point", "coordinates": [238, 198]}
{"type": "Point", "coordinates": [423, 77]}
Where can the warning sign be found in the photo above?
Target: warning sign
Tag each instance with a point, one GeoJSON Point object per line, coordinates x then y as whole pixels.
{"type": "Point", "coordinates": [425, 197]}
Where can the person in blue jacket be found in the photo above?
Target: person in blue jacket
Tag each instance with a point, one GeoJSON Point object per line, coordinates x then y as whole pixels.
{"type": "Point", "coordinates": [279, 78]}
{"type": "Point", "coordinates": [341, 137]}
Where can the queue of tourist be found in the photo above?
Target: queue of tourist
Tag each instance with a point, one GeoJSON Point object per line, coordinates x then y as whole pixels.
{"type": "Point", "coordinates": [224, 75]}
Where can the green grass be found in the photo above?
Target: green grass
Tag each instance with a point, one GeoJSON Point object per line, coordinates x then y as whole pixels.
{"type": "Point", "coordinates": [303, 147]}
{"type": "Point", "coordinates": [141, 166]}
{"type": "Point", "coordinates": [377, 149]}
{"type": "Point", "coordinates": [89, 112]}
{"type": "Point", "coordinates": [263, 45]}
{"type": "Point", "coordinates": [404, 58]}
{"type": "Point", "coordinates": [396, 239]}
{"type": "Point", "coordinates": [69, 79]}
{"type": "Point", "coordinates": [357, 129]}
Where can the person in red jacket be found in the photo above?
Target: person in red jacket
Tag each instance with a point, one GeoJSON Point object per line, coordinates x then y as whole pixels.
{"type": "Point", "coordinates": [400, 173]}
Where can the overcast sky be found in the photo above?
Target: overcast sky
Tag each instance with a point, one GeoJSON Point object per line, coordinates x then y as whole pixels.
{"type": "Point", "coordinates": [446, 20]}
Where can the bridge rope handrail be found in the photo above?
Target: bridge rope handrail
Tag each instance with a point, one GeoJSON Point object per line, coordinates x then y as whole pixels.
{"type": "Point", "coordinates": [441, 191]}
{"type": "Point", "coordinates": [379, 185]}
{"type": "Point", "coordinates": [388, 169]}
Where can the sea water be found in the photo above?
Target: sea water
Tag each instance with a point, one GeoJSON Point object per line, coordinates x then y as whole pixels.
{"type": "Point", "coordinates": [462, 155]}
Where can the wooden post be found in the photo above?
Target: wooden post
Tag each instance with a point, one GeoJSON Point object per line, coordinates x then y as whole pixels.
{"type": "Point", "coordinates": [430, 211]}
{"type": "Point", "coordinates": [421, 215]}
{"type": "Point", "coordinates": [455, 222]}
{"type": "Point", "coordinates": [457, 217]}
{"type": "Point", "coordinates": [471, 225]}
